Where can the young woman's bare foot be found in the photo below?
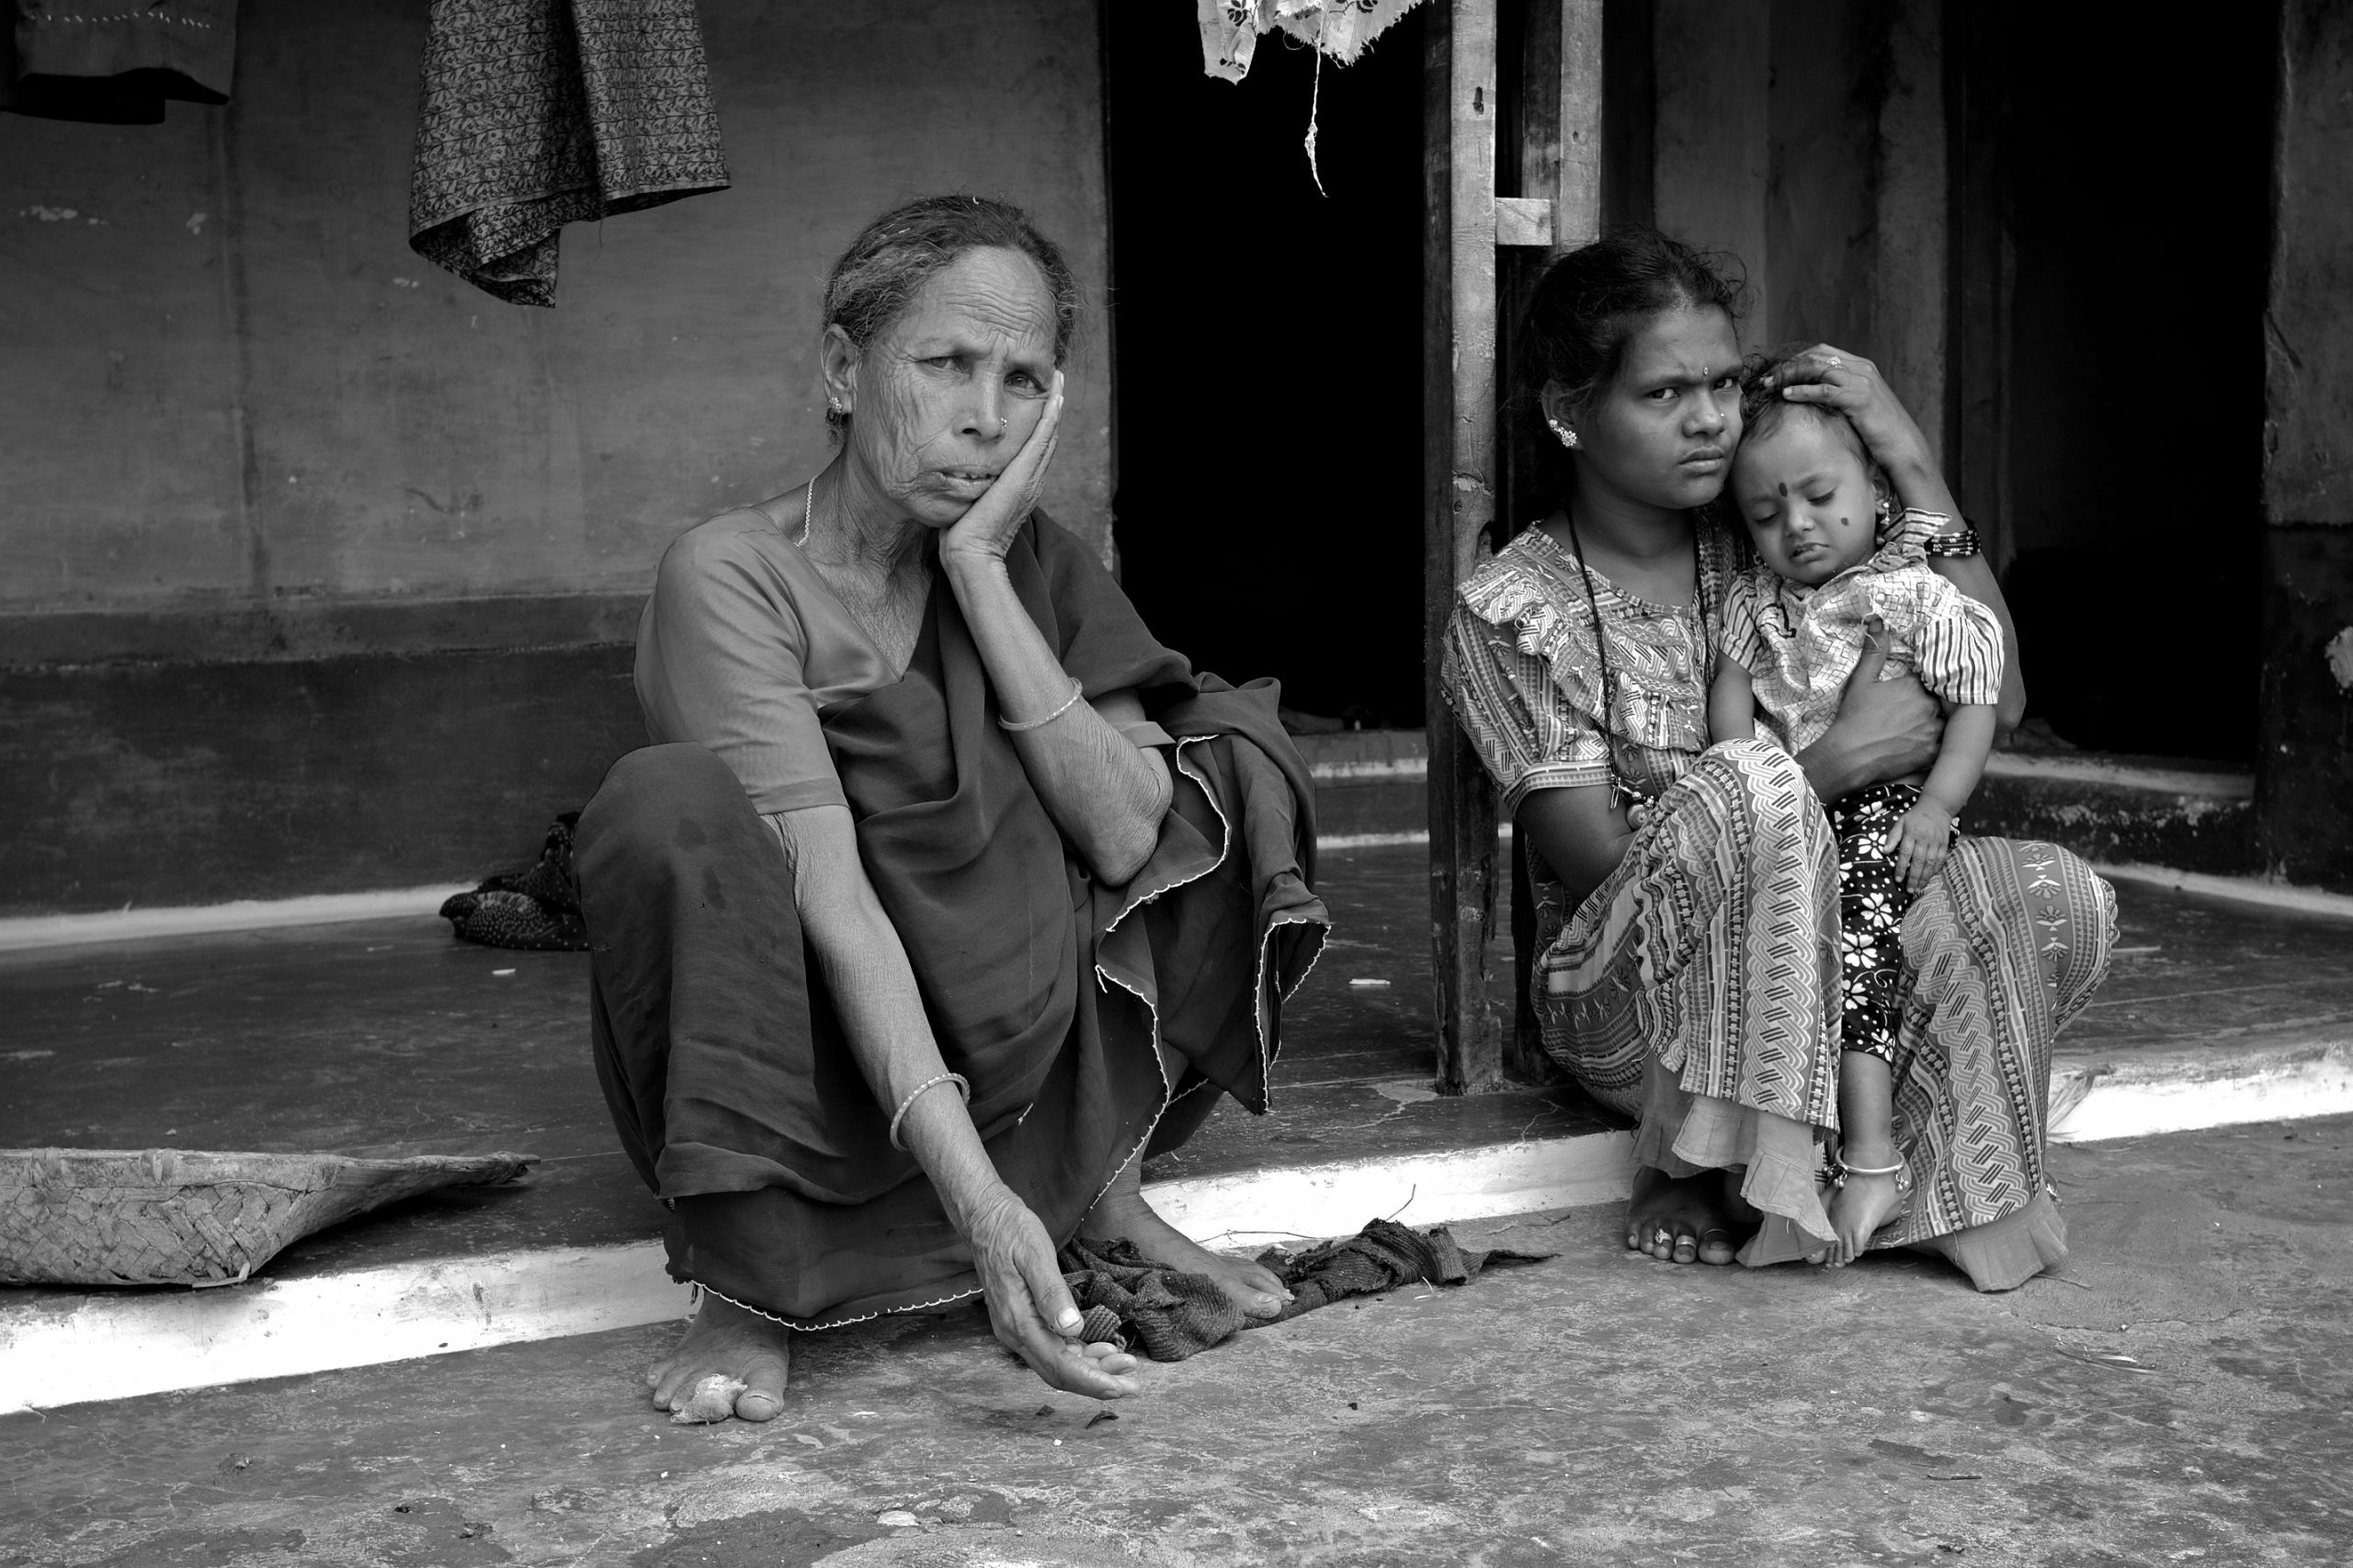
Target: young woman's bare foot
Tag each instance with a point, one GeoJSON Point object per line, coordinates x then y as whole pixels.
{"type": "Point", "coordinates": [1860, 1208]}
{"type": "Point", "coordinates": [741, 1346]}
{"type": "Point", "coordinates": [1122, 1211]}
{"type": "Point", "coordinates": [1685, 1219]}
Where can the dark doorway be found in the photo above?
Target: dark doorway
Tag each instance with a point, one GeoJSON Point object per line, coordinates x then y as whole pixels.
{"type": "Point", "coordinates": [2132, 193]}
{"type": "Point", "coordinates": [1268, 361]}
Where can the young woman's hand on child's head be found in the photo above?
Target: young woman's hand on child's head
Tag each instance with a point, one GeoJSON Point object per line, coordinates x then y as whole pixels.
{"type": "Point", "coordinates": [1920, 840]}
{"type": "Point", "coordinates": [1833, 379]}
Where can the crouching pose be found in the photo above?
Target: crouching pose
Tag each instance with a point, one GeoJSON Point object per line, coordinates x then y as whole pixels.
{"type": "Point", "coordinates": [947, 892]}
{"type": "Point", "coordinates": [1686, 970]}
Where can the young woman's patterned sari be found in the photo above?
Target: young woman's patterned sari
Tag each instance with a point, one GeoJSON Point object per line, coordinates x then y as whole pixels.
{"type": "Point", "coordinates": [1698, 988]}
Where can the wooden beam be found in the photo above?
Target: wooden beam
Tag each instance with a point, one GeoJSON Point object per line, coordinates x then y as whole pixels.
{"type": "Point", "coordinates": [1552, 127]}
{"type": "Point", "coordinates": [1980, 278]}
{"type": "Point", "coordinates": [1558, 117]}
{"type": "Point", "coordinates": [1576, 179]}
{"type": "Point", "coordinates": [1523, 220]}
{"type": "Point", "coordinates": [1459, 113]}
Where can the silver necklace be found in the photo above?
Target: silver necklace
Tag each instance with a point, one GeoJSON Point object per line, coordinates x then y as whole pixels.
{"type": "Point", "coordinates": [808, 512]}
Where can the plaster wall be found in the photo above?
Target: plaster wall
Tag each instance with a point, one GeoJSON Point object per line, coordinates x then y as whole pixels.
{"type": "Point", "coordinates": [1710, 145]}
{"type": "Point", "coordinates": [319, 568]}
{"type": "Point", "coordinates": [233, 393]}
{"type": "Point", "coordinates": [1807, 137]}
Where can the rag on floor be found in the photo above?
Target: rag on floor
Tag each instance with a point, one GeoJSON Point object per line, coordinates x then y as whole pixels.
{"type": "Point", "coordinates": [536, 908]}
{"type": "Point", "coordinates": [1170, 1314]}
{"type": "Point", "coordinates": [539, 113]}
{"type": "Point", "coordinates": [115, 64]}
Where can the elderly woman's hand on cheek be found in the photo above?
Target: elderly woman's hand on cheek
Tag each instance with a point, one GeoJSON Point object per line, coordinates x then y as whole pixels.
{"type": "Point", "coordinates": [987, 532]}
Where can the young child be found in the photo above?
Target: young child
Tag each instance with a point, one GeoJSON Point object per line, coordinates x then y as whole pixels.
{"type": "Point", "coordinates": [1832, 559]}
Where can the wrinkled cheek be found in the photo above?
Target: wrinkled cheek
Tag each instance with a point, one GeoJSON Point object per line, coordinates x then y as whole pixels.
{"type": "Point", "coordinates": [905, 428]}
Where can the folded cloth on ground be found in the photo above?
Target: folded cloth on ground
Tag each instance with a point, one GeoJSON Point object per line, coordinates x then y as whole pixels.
{"type": "Point", "coordinates": [536, 908]}
{"type": "Point", "coordinates": [539, 113]}
{"type": "Point", "coordinates": [1170, 1314]}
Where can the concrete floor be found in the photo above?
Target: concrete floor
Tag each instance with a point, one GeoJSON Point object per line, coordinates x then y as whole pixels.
{"type": "Point", "coordinates": [1599, 1407]}
{"type": "Point", "coordinates": [2183, 1392]}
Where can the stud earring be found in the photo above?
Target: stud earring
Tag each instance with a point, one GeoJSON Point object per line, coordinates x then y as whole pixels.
{"type": "Point", "coordinates": [1568, 437]}
{"type": "Point", "coordinates": [834, 409]}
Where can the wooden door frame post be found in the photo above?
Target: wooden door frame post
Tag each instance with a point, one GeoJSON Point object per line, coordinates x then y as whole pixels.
{"type": "Point", "coordinates": [1559, 154]}
{"type": "Point", "coordinates": [1458, 487]}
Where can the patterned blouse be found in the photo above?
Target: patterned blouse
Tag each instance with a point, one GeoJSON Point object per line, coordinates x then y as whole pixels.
{"type": "Point", "coordinates": [1522, 669]}
{"type": "Point", "coordinates": [1799, 644]}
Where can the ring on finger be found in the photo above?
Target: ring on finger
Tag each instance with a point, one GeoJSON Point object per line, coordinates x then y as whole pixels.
{"type": "Point", "coordinates": [1836, 361]}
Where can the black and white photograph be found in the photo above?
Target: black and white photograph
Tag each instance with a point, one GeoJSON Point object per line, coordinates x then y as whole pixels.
{"type": "Point", "coordinates": [1181, 783]}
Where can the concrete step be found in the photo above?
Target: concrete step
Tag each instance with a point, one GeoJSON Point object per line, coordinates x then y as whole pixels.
{"type": "Point", "coordinates": [2188, 814]}
{"type": "Point", "coordinates": [59, 1347]}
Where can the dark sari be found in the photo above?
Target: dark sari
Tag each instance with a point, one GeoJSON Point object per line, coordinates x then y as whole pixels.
{"type": "Point", "coordinates": [730, 1080]}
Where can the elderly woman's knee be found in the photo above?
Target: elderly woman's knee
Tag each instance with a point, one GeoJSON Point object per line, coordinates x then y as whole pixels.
{"type": "Point", "coordinates": [658, 796]}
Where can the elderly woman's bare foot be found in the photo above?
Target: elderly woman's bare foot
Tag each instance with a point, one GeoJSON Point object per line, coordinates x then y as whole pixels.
{"type": "Point", "coordinates": [1683, 1218]}
{"type": "Point", "coordinates": [1122, 1211]}
{"type": "Point", "coordinates": [733, 1347]}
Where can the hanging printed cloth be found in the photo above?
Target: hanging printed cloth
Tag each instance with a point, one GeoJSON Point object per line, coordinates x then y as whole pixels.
{"type": "Point", "coordinates": [539, 113]}
{"type": "Point", "coordinates": [1340, 29]}
{"type": "Point", "coordinates": [115, 62]}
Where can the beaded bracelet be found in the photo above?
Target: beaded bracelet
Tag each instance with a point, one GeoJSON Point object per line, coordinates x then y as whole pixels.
{"type": "Point", "coordinates": [1076, 691]}
{"type": "Point", "coordinates": [898, 1116]}
{"type": "Point", "coordinates": [1962, 543]}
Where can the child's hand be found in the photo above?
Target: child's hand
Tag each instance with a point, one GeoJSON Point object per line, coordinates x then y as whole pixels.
{"type": "Point", "coordinates": [1920, 840]}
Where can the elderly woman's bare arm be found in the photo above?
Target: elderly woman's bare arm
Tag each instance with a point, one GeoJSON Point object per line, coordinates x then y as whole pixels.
{"type": "Point", "coordinates": [1105, 792]}
{"type": "Point", "coordinates": [873, 990]}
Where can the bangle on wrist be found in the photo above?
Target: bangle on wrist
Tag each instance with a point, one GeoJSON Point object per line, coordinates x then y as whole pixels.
{"type": "Point", "coordinates": [963, 1087]}
{"type": "Point", "coordinates": [1964, 542]}
{"type": "Point", "coordinates": [1076, 691]}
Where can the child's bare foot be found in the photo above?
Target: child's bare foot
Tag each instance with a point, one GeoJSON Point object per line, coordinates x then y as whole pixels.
{"type": "Point", "coordinates": [1860, 1205]}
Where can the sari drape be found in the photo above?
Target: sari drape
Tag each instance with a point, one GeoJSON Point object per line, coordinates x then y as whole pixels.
{"type": "Point", "coordinates": [725, 1068]}
{"type": "Point", "coordinates": [1696, 988]}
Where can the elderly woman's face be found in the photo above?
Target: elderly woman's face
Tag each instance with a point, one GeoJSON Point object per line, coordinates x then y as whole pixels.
{"type": "Point", "coordinates": [1663, 433]}
{"type": "Point", "coordinates": [947, 393]}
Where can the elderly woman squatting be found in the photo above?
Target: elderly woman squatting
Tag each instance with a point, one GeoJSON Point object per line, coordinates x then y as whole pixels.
{"type": "Point", "coordinates": [878, 1011]}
